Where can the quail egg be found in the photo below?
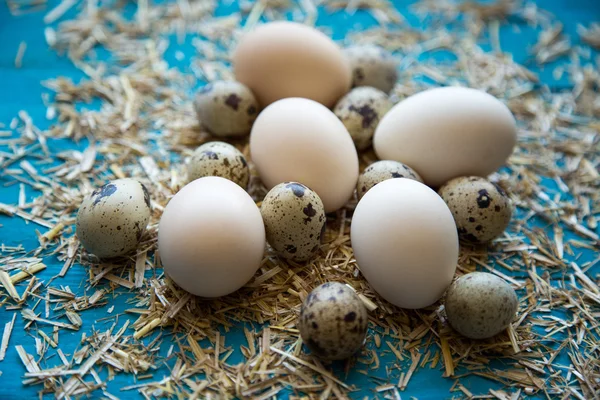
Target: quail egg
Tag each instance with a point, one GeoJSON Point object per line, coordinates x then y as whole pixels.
{"type": "Point", "coordinates": [480, 305]}
{"type": "Point", "coordinates": [219, 159]}
{"type": "Point", "coordinates": [360, 111]}
{"type": "Point", "coordinates": [226, 108]}
{"type": "Point", "coordinates": [112, 219]}
{"type": "Point", "coordinates": [294, 220]}
{"type": "Point", "coordinates": [382, 170]}
{"type": "Point", "coordinates": [481, 209]}
{"type": "Point", "coordinates": [372, 66]}
{"type": "Point", "coordinates": [333, 321]}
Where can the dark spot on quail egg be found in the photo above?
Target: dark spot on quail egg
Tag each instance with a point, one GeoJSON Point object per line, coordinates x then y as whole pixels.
{"type": "Point", "coordinates": [483, 200]}
{"type": "Point", "coordinates": [367, 113]}
{"type": "Point", "coordinates": [309, 211]}
{"type": "Point", "coordinates": [211, 155]}
{"type": "Point", "coordinates": [297, 188]}
{"type": "Point", "coordinates": [146, 196]}
{"type": "Point", "coordinates": [233, 101]}
{"type": "Point", "coordinates": [102, 192]}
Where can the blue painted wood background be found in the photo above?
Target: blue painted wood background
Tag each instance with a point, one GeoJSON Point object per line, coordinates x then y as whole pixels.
{"type": "Point", "coordinates": [20, 89]}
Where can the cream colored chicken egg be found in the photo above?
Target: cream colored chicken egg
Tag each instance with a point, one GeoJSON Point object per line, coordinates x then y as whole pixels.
{"type": "Point", "coordinates": [300, 140]}
{"type": "Point", "coordinates": [405, 242]}
{"type": "Point", "coordinates": [211, 237]}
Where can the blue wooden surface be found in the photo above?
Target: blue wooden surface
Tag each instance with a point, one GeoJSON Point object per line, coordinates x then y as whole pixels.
{"type": "Point", "coordinates": [20, 89]}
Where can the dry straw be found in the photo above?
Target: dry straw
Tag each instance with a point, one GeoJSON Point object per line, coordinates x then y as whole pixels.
{"type": "Point", "coordinates": [146, 119]}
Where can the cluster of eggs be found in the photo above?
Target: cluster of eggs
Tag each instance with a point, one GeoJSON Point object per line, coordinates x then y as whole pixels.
{"type": "Point", "coordinates": [304, 143]}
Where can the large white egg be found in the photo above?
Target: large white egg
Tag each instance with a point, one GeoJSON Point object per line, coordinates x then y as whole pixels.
{"type": "Point", "coordinates": [285, 59]}
{"type": "Point", "coordinates": [405, 242]}
{"type": "Point", "coordinates": [300, 140]}
{"type": "Point", "coordinates": [211, 237]}
{"type": "Point", "coordinates": [448, 132]}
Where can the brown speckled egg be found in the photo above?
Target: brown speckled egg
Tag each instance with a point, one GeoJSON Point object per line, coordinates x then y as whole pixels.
{"type": "Point", "coordinates": [219, 159]}
{"type": "Point", "coordinates": [226, 108]}
{"type": "Point", "coordinates": [294, 220]}
{"type": "Point", "coordinates": [382, 170]}
{"type": "Point", "coordinates": [481, 209]}
{"type": "Point", "coordinates": [372, 66]}
{"type": "Point", "coordinates": [360, 111]}
{"type": "Point", "coordinates": [333, 321]}
{"type": "Point", "coordinates": [480, 305]}
{"type": "Point", "coordinates": [112, 219]}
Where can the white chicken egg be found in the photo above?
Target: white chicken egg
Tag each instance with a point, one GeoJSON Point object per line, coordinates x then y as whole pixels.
{"type": "Point", "coordinates": [300, 140]}
{"type": "Point", "coordinates": [444, 133]}
{"type": "Point", "coordinates": [405, 242]}
{"type": "Point", "coordinates": [211, 237]}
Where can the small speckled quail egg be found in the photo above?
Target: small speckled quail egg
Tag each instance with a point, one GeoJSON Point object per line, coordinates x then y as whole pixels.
{"type": "Point", "coordinates": [226, 108]}
{"type": "Point", "coordinates": [219, 159]}
{"type": "Point", "coordinates": [480, 305]}
{"type": "Point", "coordinates": [112, 219]}
{"type": "Point", "coordinates": [333, 321]}
{"type": "Point", "coordinates": [294, 220]}
{"type": "Point", "coordinates": [382, 170]}
{"type": "Point", "coordinates": [372, 66]}
{"type": "Point", "coordinates": [481, 209]}
{"type": "Point", "coordinates": [360, 111]}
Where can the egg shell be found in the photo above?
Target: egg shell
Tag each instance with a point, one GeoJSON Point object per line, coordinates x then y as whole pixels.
{"type": "Point", "coordinates": [287, 59]}
{"type": "Point", "coordinates": [405, 242]}
{"type": "Point", "coordinates": [211, 237]}
{"type": "Point", "coordinates": [333, 321]}
{"type": "Point", "coordinates": [226, 108]}
{"type": "Point", "coordinates": [445, 133]}
{"type": "Point", "coordinates": [360, 111]}
{"type": "Point", "coordinates": [480, 305]}
{"type": "Point", "coordinates": [372, 66]}
{"type": "Point", "coordinates": [381, 171]}
{"type": "Point", "coordinates": [300, 140]}
{"type": "Point", "coordinates": [219, 159]}
{"type": "Point", "coordinates": [481, 209]}
{"type": "Point", "coordinates": [294, 220]}
{"type": "Point", "coordinates": [113, 218]}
